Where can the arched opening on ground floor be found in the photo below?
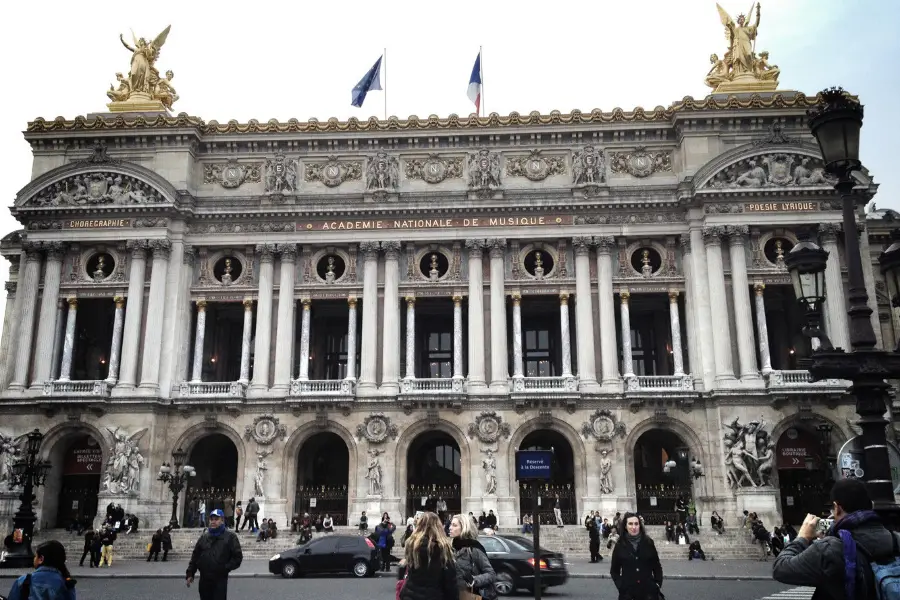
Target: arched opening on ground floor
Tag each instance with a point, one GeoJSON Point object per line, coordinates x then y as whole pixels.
{"type": "Point", "coordinates": [71, 492]}
{"type": "Point", "coordinates": [215, 459]}
{"type": "Point", "coordinates": [560, 491]}
{"type": "Point", "coordinates": [434, 474]}
{"type": "Point", "coordinates": [805, 474]}
{"type": "Point", "coordinates": [661, 474]}
{"type": "Point", "coordinates": [323, 470]}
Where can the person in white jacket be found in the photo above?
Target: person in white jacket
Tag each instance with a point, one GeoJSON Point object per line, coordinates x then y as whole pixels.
{"type": "Point", "coordinates": [202, 510]}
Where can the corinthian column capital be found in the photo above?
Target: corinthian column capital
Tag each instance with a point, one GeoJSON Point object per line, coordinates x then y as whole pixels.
{"type": "Point", "coordinates": [497, 247]}
{"type": "Point", "coordinates": [712, 236]}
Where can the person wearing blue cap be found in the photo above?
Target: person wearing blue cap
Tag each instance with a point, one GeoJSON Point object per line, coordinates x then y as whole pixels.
{"type": "Point", "coordinates": [216, 554]}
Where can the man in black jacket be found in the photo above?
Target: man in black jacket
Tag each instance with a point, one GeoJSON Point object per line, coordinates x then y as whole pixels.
{"type": "Point", "coordinates": [217, 553]}
{"type": "Point", "coordinates": [820, 563]}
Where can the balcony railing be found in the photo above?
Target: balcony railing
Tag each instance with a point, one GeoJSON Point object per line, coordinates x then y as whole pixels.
{"type": "Point", "coordinates": [83, 389]}
{"type": "Point", "coordinates": [544, 384]}
{"type": "Point", "coordinates": [322, 387]}
{"type": "Point", "coordinates": [212, 389]}
{"type": "Point", "coordinates": [659, 383]}
{"type": "Point", "coordinates": [444, 385]}
{"type": "Point", "coordinates": [800, 379]}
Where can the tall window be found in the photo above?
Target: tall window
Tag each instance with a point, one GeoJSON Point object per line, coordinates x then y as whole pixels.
{"type": "Point", "coordinates": [539, 353]}
{"type": "Point", "coordinates": [439, 355]}
{"type": "Point", "coordinates": [643, 349]}
{"type": "Point", "coordinates": [335, 354]}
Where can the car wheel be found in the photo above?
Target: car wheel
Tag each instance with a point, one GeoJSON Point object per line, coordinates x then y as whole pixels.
{"type": "Point", "coordinates": [289, 569]}
{"type": "Point", "coordinates": [361, 568]}
{"type": "Point", "coordinates": [504, 584]}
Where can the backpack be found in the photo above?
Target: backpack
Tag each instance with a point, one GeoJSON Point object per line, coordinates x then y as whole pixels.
{"type": "Point", "coordinates": [25, 588]}
{"type": "Point", "coordinates": [886, 575]}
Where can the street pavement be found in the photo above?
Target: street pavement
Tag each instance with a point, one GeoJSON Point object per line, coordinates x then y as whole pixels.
{"type": "Point", "coordinates": [726, 570]}
{"type": "Point", "coordinates": [382, 587]}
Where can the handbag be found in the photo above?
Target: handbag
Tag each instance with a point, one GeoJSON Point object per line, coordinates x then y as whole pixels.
{"type": "Point", "coordinates": [681, 540]}
{"type": "Point", "coordinates": [398, 587]}
{"type": "Point", "coordinates": [149, 545]}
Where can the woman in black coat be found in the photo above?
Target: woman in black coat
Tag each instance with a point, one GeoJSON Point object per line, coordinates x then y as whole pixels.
{"type": "Point", "coordinates": [428, 569]}
{"type": "Point", "coordinates": [594, 537]}
{"type": "Point", "coordinates": [635, 566]}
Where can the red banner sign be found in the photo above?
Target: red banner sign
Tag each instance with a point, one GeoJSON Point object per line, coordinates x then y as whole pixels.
{"type": "Point", "coordinates": [86, 460]}
{"type": "Point", "coordinates": [795, 448]}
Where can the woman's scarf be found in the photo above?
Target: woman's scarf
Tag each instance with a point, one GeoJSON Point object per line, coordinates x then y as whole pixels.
{"type": "Point", "coordinates": [634, 539]}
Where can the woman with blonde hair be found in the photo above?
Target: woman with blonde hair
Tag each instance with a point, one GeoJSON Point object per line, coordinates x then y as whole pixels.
{"type": "Point", "coordinates": [428, 570]}
{"type": "Point", "coordinates": [474, 573]}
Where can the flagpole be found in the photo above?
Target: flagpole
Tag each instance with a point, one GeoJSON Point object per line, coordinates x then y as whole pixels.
{"type": "Point", "coordinates": [481, 64]}
{"type": "Point", "coordinates": [385, 83]}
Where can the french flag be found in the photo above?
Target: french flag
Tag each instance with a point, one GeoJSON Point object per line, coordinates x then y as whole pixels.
{"type": "Point", "coordinates": [474, 91]}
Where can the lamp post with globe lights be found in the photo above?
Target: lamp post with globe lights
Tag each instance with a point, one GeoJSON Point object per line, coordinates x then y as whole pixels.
{"type": "Point", "coordinates": [836, 122]}
{"type": "Point", "coordinates": [176, 476]}
{"type": "Point", "coordinates": [29, 473]}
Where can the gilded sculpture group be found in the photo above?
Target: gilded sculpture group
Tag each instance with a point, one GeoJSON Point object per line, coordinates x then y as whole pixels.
{"type": "Point", "coordinates": [740, 70]}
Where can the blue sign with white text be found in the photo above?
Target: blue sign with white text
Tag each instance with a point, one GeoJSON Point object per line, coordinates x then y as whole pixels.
{"type": "Point", "coordinates": [533, 464]}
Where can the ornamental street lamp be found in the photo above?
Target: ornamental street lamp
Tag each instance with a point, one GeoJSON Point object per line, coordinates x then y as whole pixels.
{"type": "Point", "coordinates": [29, 473]}
{"type": "Point", "coordinates": [176, 476]}
{"type": "Point", "coordinates": [806, 263]}
{"type": "Point", "coordinates": [836, 122]}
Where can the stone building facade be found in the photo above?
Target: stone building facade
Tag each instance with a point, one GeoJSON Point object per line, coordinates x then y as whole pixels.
{"type": "Point", "coordinates": [374, 315]}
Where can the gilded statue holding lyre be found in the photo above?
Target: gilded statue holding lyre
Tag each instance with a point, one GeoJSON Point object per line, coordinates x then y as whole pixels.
{"type": "Point", "coordinates": [741, 70]}
{"type": "Point", "coordinates": [143, 89]}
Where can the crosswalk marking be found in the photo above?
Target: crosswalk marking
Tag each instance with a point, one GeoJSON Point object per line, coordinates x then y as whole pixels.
{"type": "Point", "coordinates": [797, 593]}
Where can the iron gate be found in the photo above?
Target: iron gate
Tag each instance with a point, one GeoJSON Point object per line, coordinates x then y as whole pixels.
{"type": "Point", "coordinates": [319, 500]}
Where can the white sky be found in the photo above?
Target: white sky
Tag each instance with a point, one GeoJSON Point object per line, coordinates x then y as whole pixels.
{"type": "Point", "coordinates": [263, 59]}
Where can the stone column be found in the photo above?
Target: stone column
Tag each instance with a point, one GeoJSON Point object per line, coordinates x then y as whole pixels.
{"type": "Point", "coordinates": [868, 276]}
{"type": "Point", "coordinates": [390, 365]}
{"type": "Point", "coordinates": [133, 313]}
{"type": "Point", "coordinates": [564, 333]}
{"type": "Point", "coordinates": [246, 335]}
{"type": "Point", "coordinates": [58, 337]}
{"type": "Point", "coordinates": [12, 316]}
{"type": "Point", "coordinates": [199, 339]}
{"type": "Point", "coordinates": [499, 357]}
{"type": "Point", "coordinates": [517, 336]}
{"type": "Point", "coordinates": [115, 351]}
{"type": "Point", "coordinates": [712, 237]}
{"type": "Point", "coordinates": [609, 359]}
{"type": "Point", "coordinates": [369, 346]}
{"type": "Point", "coordinates": [699, 282]}
{"type": "Point", "coordinates": [410, 337]}
{"type": "Point", "coordinates": [625, 318]}
{"type": "Point", "coordinates": [675, 322]}
{"type": "Point", "coordinates": [743, 317]}
{"type": "Point", "coordinates": [304, 339]}
{"type": "Point", "coordinates": [835, 301]}
{"type": "Point", "coordinates": [762, 327]}
{"type": "Point", "coordinates": [46, 326]}
{"type": "Point", "coordinates": [263, 343]}
{"type": "Point", "coordinates": [351, 338]}
{"type": "Point", "coordinates": [457, 341]}
{"type": "Point", "coordinates": [477, 382]}
{"type": "Point", "coordinates": [65, 370]}
{"type": "Point", "coordinates": [584, 317]}
{"type": "Point", "coordinates": [156, 307]}
{"type": "Point", "coordinates": [284, 334]}
{"type": "Point", "coordinates": [693, 349]}
{"type": "Point", "coordinates": [29, 291]}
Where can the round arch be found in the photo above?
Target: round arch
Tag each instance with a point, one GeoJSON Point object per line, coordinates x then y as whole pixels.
{"type": "Point", "coordinates": [292, 448]}
{"type": "Point", "coordinates": [55, 444]}
{"type": "Point", "coordinates": [579, 456]}
{"type": "Point", "coordinates": [679, 428]}
{"type": "Point", "coordinates": [193, 434]}
{"type": "Point", "coordinates": [406, 439]}
{"type": "Point", "coordinates": [805, 421]}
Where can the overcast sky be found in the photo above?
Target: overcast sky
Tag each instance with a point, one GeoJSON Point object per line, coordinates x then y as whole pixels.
{"type": "Point", "coordinates": [260, 59]}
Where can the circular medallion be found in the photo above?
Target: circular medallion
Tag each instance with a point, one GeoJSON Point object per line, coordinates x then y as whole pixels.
{"type": "Point", "coordinates": [603, 427]}
{"type": "Point", "coordinates": [792, 434]}
{"type": "Point", "coordinates": [434, 171]}
{"type": "Point", "coordinates": [232, 176]}
{"type": "Point", "coordinates": [536, 169]}
{"type": "Point", "coordinates": [640, 164]}
{"type": "Point", "coordinates": [377, 429]}
{"type": "Point", "coordinates": [331, 175]}
{"type": "Point", "coordinates": [489, 428]}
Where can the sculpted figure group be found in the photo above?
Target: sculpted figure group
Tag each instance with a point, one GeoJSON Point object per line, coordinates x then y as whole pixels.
{"type": "Point", "coordinates": [749, 454]}
{"type": "Point", "coordinates": [144, 81]}
{"type": "Point", "coordinates": [741, 63]}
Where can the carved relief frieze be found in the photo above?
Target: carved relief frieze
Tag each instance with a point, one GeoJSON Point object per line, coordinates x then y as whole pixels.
{"type": "Point", "coordinates": [376, 428]}
{"type": "Point", "coordinates": [232, 174]}
{"type": "Point", "coordinates": [334, 172]}
{"type": "Point", "coordinates": [603, 427]}
{"type": "Point", "coordinates": [723, 208]}
{"type": "Point", "coordinates": [489, 427]}
{"type": "Point", "coordinates": [265, 430]}
{"type": "Point", "coordinates": [96, 189]}
{"type": "Point", "coordinates": [640, 162]}
{"type": "Point", "coordinates": [777, 169]}
{"type": "Point", "coordinates": [281, 175]}
{"type": "Point", "coordinates": [250, 227]}
{"type": "Point", "coordinates": [588, 169]}
{"type": "Point", "coordinates": [382, 173]}
{"type": "Point", "coordinates": [484, 172]}
{"type": "Point", "coordinates": [434, 168]}
{"type": "Point", "coordinates": [534, 166]}
{"type": "Point", "coordinates": [624, 218]}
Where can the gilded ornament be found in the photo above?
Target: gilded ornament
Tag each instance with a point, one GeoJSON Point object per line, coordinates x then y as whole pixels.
{"type": "Point", "coordinates": [640, 162]}
{"type": "Point", "coordinates": [741, 69]}
{"type": "Point", "coordinates": [334, 172]}
{"type": "Point", "coordinates": [232, 174]}
{"type": "Point", "coordinates": [434, 169]}
{"type": "Point", "coordinates": [534, 166]}
{"type": "Point", "coordinates": [143, 90]}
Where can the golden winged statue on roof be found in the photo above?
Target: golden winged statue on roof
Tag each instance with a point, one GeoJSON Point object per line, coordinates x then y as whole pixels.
{"type": "Point", "coordinates": [143, 89]}
{"type": "Point", "coordinates": [741, 70]}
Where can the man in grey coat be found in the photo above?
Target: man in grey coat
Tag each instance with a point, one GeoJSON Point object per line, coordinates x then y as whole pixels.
{"type": "Point", "coordinates": [820, 563]}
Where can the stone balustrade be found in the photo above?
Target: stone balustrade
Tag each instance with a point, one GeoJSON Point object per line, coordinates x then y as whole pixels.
{"type": "Point", "coordinates": [77, 389]}
{"type": "Point", "coordinates": [322, 387]}
{"type": "Point", "coordinates": [213, 389]}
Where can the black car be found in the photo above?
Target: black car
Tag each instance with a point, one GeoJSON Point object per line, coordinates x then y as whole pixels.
{"type": "Point", "coordinates": [328, 554]}
{"type": "Point", "coordinates": [512, 557]}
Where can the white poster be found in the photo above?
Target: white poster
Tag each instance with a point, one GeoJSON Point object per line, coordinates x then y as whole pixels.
{"type": "Point", "coordinates": [312, 502]}
{"type": "Point", "coordinates": [790, 500]}
{"type": "Point", "coordinates": [652, 500]}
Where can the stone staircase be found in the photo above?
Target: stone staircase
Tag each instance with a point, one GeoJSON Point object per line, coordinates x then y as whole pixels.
{"type": "Point", "coordinates": [571, 540]}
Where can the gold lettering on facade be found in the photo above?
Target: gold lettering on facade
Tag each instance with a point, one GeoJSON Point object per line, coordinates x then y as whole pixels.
{"type": "Point", "coordinates": [781, 206]}
{"type": "Point", "coordinates": [97, 223]}
{"type": "Point", "coordinates": [437, 223]}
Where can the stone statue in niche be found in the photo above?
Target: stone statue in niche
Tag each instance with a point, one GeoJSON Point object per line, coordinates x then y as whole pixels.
{"type": "Point", "coordinates": [329, 270]}
{"type": "Point", "coordinates": [489, 464]}
{"type": "Point", "coordinates": [261, 468]}
{"type": "Point", "coordinates": [434, 274]}
{"type": "Point", "coordinates": [123, 467]}
{"type": "Point", "coordinates": [374, 472]}
{"type": "Point", "coordinates": [226, 275]}
{"type": "Point", "coordinates": [749, 453]}
{"type": "Point", "coordinates": [100, 273]}
{"type": "Point", "coordinates": [606, 486]}
{"type": "Point", "coordinates": [646, 269]}
{"type": "Point", "coordinates": [779, 255]}
{"type": "Point", "coordinates": [538, 265]}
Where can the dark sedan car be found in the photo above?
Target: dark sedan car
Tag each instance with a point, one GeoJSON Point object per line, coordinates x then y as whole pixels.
{"type": "Point", "coordinates": [513, 559]}
{"type": "Point", "coordinates": [328, 554]}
